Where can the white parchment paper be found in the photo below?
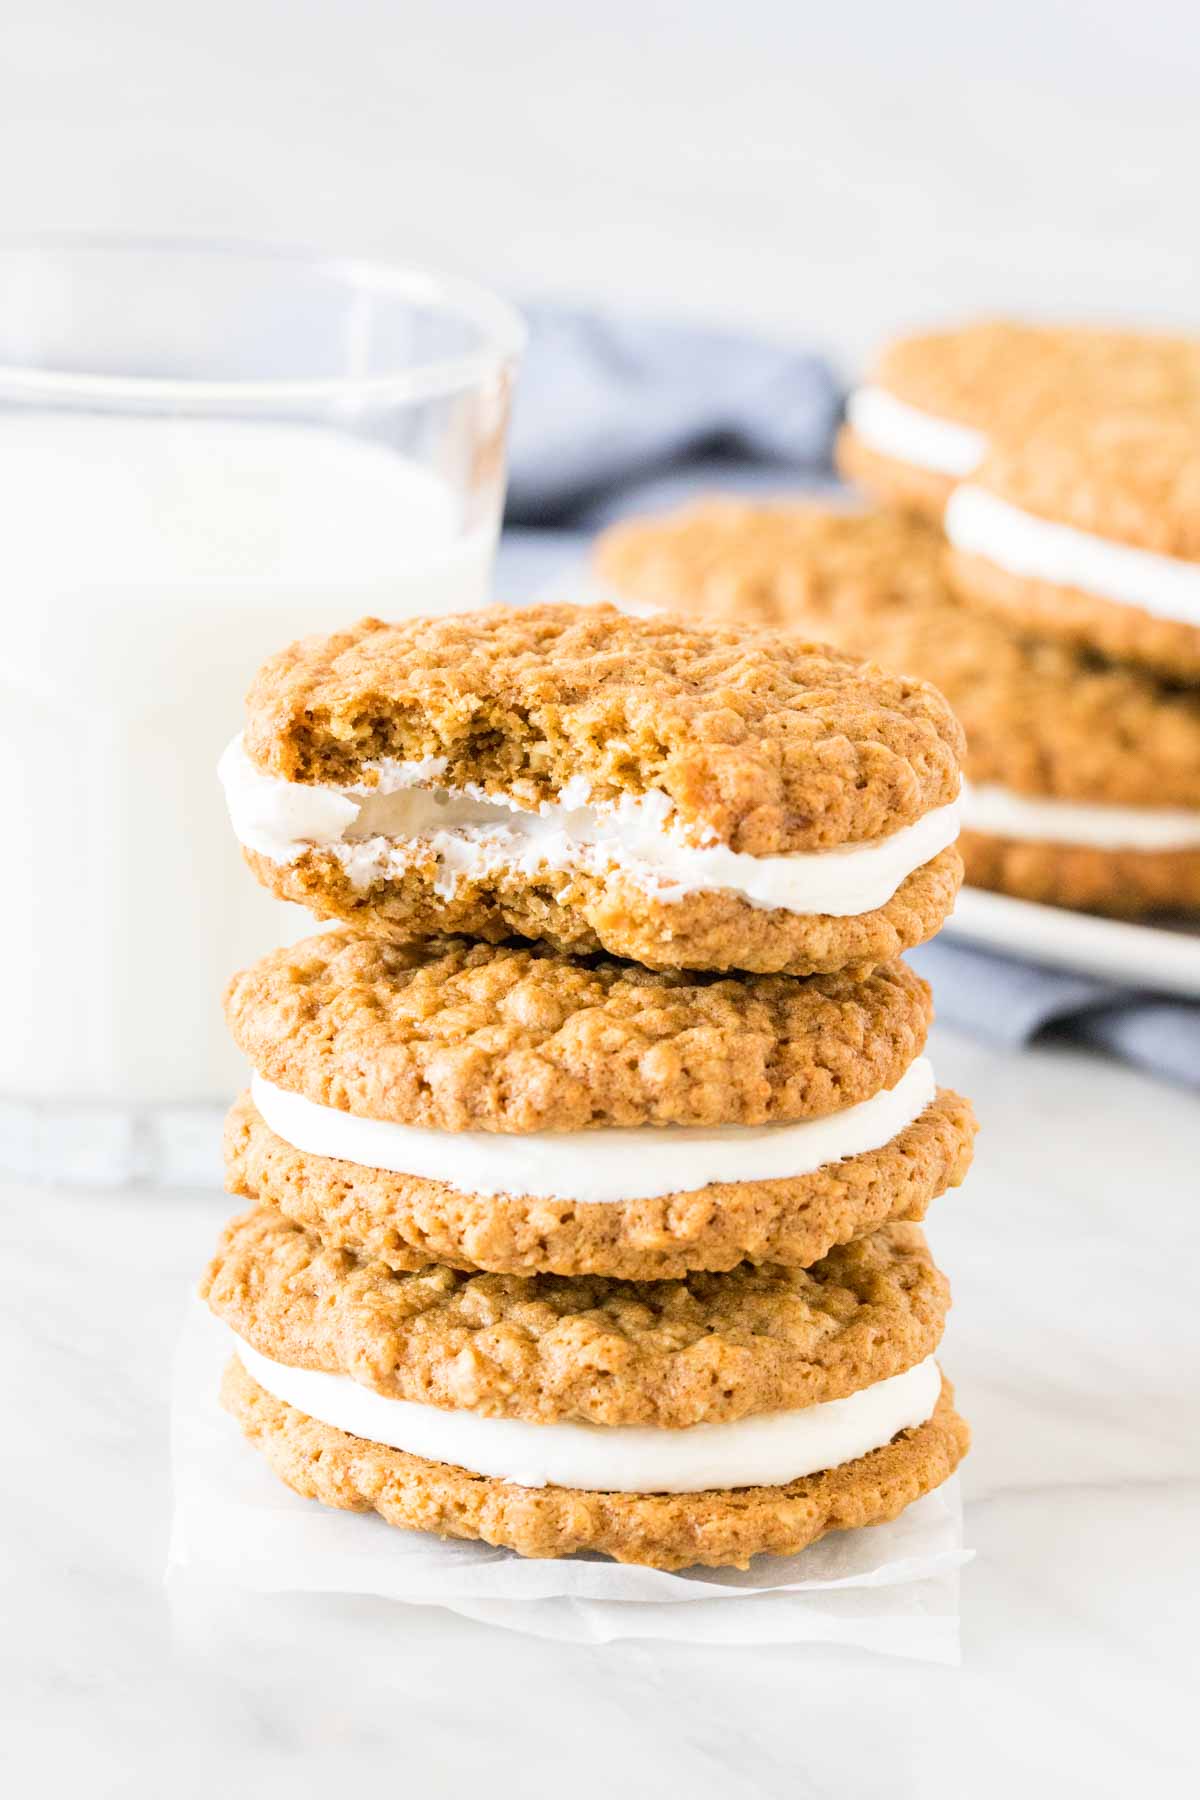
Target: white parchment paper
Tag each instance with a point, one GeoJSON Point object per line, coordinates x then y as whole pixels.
{"type": "Point", "coordinates": [889, 1588]}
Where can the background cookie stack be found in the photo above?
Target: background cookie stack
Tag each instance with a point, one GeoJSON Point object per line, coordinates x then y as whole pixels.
{"type": "Point", "coordinates": [553, 1249]}
{"type": "Point", "coordinates": [1059, 613]}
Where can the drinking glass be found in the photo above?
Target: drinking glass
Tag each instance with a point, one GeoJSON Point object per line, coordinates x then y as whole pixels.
{"type": "Point", "coordinates": [205, 452]}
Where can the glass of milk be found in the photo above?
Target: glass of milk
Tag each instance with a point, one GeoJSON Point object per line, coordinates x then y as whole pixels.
{"type": "Point", "coordinates": [205, 452]}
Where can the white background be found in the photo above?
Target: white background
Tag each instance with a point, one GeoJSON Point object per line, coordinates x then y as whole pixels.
{"type": "Point", "coordinates": [828, 172]}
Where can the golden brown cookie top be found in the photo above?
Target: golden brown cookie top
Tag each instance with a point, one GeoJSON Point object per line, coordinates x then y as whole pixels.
{"type": "Point", "coordinates": [1132, 476]}
{"type": "Point", "coordinates": [763, 743]}
{"type": "Point", "coordinates": [962, 372]}
{"type": "Point", "coordinates": [1000, 375]}
{"type": "Point", "coordinates": [457, 1036]}
{"type": "Point", "coordinates": [545, 1347]}
{"type": "Point", "coordinates": [790, 565]}
{"type": "Point", "coordinates": [1040, 717]}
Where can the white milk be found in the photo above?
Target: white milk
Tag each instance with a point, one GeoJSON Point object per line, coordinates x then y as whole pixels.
{"type": "Point", "coordinates": [147, 567]}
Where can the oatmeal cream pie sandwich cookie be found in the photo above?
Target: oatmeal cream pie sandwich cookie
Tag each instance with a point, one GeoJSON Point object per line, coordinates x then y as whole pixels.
{"type": "Point", "coordinates": [1088, 532]}
{"type": "Point", "coordinates": [668, 1423]}
{"type": "Point", "coordinates": [1083, 784]}
{"type": "Point", "coordinates": [514, 1110]}
{"type": "Point", "coordinates": [936, 402]}
{"type": "Point", "coordinates": [684, 795]}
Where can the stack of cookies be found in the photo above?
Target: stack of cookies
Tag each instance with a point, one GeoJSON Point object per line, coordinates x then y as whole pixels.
{"type": "Point", "coordinates": [1059, 612]}
{"type": "Point", "coordinates": [587, 1152]}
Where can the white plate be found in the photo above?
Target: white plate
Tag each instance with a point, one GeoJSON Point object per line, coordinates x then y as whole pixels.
{"type": "Point", "coordinates": [1164, 957]}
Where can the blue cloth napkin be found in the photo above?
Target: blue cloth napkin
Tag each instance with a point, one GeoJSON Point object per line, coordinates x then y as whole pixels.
{"type": "Point", "coordinates": [624, 415]}
{"type": "Point", "coordinates": [607, 405]}
{"type": "Point", "coordinates": [1008, 1002]}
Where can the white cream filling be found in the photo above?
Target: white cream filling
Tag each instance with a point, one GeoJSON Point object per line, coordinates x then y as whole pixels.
{"type": "Point", "coordinates": [767, 1450]}
{"type": "Point", "coordinates": [605, 1166]}
{"type": "Point", "coordinates": [1040, 550]}
{"type": "Point", "coordinates": [895, 429]}
{"type": "Point", "coordinates": [376, 833]}
{"type": "Point", "coordinates": [998, 811]}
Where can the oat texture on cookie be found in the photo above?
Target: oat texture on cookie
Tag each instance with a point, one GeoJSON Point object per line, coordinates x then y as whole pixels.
{"type": "Point", "coordinates": [457, 1035]}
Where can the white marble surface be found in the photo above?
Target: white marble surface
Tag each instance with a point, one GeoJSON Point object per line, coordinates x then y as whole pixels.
{"type": "Point", "coordinates": [1074, 1252]}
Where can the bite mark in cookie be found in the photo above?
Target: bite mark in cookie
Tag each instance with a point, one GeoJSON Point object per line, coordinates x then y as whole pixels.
{"type": "Point", "coordinates": [641, 785]}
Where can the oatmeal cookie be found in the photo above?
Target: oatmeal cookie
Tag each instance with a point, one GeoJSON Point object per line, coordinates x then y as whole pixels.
{"type": "Point", "coordinates": [686, 795]}
{"type": "Point", "coordinates": [707, 1349]}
